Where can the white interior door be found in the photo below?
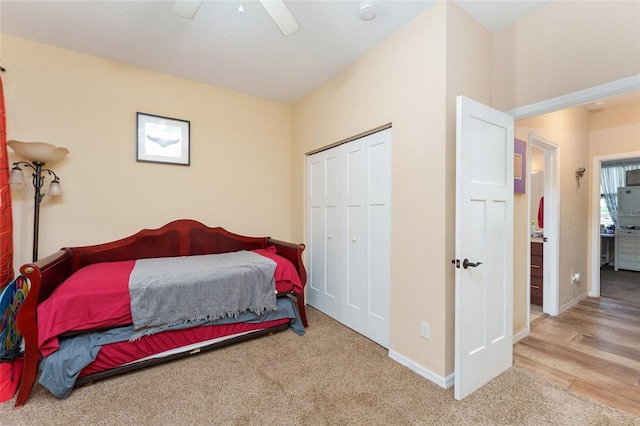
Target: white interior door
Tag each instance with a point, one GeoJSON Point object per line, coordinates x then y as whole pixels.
{"type": "Point", "coordinates": [484, 245]}
{"type": "Point", "coordinates": [349, 228]}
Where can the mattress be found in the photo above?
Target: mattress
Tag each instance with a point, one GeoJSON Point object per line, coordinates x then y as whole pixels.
{"type": "Point", "coordinates": [97, 297]}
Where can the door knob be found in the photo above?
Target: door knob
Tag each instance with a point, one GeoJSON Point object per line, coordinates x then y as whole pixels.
{"type": "Point", "coordinates": [466, 264]}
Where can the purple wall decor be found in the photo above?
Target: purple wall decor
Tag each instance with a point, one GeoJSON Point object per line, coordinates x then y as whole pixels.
{"type": "Point", "coordinates": [520, 166]}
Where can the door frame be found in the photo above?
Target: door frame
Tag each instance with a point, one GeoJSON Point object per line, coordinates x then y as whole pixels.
{"type": "Point", "coordinates": [551, 253]}
{"type": "Point", "coordinates": [594, 289]}
{"type": "Point", "coordinates": [591, 94]}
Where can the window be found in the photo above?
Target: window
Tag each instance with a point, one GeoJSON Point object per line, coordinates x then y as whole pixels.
{"type": "Point", "coordinates": [612, 177]}
{"type": "Point", "coordinates": [605, 216]}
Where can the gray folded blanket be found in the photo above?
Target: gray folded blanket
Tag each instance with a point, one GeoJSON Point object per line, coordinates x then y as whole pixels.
{"type": "Point", "coordinates": [171, 291]}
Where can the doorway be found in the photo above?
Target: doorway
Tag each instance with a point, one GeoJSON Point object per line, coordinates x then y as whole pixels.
{"type": "Point", "coordinates": [536, 233]}
{"type": "Point", "coordinates": [544, 220]}
{"type": "Point", "coordinates": [597, 242]}
{"type": "Point", "coordinates": [606, 90]}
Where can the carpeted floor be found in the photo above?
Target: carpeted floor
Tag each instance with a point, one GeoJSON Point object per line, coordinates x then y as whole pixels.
{"type": "Point", "coordinates": [621, 284]}
{"type": "Point", "coordinates": [330, 376]}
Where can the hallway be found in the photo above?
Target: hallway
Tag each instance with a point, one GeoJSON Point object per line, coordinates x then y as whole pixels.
{"type": "Point", "coordinates": [592, 349]}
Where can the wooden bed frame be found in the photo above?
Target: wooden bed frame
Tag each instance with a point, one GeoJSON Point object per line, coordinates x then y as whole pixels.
{"type": "Point", "coordinates": [179, 238]}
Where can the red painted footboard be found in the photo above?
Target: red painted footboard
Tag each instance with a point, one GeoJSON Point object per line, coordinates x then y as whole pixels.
{"type": "Point", "coordinates": [179, 238]}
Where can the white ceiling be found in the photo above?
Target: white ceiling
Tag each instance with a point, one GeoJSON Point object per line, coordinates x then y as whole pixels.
{"type": "Point", "coordinates": [244, 53]}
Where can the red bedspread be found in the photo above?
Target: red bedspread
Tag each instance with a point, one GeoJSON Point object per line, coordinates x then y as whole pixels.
{"type": "Point", "coordinates": [97, 296]}
{"type": "Point", "coordinates": [121, 353]}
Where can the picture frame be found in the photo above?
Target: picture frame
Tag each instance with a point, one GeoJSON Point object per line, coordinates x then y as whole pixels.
{"type": "Point", "coordinates": [519, 166]}
{"type": "Point", "coordinates": [162, 139]}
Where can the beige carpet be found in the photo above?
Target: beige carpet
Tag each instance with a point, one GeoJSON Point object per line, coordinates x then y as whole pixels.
{"type": "Point", "coordinates": [331, 376]}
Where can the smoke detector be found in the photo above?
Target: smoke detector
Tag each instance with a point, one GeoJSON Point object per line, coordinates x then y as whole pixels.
{"type": "Point", "coordinates": [367, 11]}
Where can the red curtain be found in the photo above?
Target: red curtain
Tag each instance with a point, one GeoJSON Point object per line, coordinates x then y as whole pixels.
{"type": "Point", "coordinates": [6, 219]}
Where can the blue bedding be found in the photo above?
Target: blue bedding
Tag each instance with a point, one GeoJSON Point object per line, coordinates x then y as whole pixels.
{"type": "Point", "coordinates": [61, 369]}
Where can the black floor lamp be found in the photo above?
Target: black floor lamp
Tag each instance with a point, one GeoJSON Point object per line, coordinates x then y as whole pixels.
{"type": "Point", "coordinates": [38, 154]}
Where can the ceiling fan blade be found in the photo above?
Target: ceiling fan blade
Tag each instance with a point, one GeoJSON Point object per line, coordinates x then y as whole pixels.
{"type": "Point", "coordinates": [186, 8]}
{"type": "Point", "coordinates": [281, 15]}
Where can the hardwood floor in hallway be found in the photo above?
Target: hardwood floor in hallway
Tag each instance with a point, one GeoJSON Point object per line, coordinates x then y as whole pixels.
{"type": "Point", "coordinates": [592, 349]}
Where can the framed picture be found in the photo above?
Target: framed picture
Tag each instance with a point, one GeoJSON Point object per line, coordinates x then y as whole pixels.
{"type": "Point", "coordinates": [519, 166]}
{"type": "Point", "coordinates": [162, 139]}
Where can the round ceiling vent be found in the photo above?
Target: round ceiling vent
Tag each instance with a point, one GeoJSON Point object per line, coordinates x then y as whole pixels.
{"type": "Point", "coordinates": [367, 12]}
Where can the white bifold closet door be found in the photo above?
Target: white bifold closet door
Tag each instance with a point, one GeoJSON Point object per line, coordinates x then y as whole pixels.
{"type": "Point", "coordinates": [348, 234]}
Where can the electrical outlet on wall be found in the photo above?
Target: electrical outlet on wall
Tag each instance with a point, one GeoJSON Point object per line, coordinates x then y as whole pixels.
{"type": "Point", "coordinates": [425, 330]}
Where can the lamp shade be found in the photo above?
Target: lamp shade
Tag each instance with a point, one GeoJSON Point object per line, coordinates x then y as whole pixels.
{"type": "Point", "coordinates": [54, 189]}
{"type": "Point", "coordinates": [16, 176]}
{"type": "Point", "coordinates": [38, 151]}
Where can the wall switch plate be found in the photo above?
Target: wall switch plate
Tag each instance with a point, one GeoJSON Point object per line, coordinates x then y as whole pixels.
{"type": "Point", "coordinates": [425, 330]}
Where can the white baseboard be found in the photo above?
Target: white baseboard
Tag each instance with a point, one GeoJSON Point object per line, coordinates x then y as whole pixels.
{"type": "Point", "coordinates": [573, 302]}
{"type": "Point", "coordinates": [521, 335]}
{"type": "Point", "coordinates": [447, 382]}
{"type": "Point", "coordinates": [443, 382]}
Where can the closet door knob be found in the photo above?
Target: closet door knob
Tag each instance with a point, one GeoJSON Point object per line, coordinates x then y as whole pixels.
{"type": "Point", "coordinates": [330, 236]}
{"type": "Point", "coordinates": [353, 239]}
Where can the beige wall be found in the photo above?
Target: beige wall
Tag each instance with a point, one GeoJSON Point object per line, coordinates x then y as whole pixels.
{"type": "Point", "coordinates": [564, 47]}
{"type": "Point", "coordinates": [386, 86]}
{"type": "Point", "coordinates": [614, 130]}
{"type": "Point", "coordinates": [569, 130]}
{"type": "Point", "coordinates": [410, 80]}
{"type": "Point", "coordinates": [239, 177]}
{"type": "Point", "coordinates": [469, 47]}
{"type": "Point", "coordinates": [581, 135]}
{"type": "Point", "coordinates": [242, 146]}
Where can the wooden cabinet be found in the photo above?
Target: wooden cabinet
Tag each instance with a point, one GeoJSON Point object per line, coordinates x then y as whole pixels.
{"type": "Point", "coordinates": [627, 249]}
{"type": "Point", "coordinates": [537, 272]}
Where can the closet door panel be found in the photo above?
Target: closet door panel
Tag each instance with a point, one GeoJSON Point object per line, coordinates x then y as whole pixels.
{"type": "Point", "coordinates": [317, 250]}
{"type": "Point", "coordinates": [334, 177]}
{"type": "Point", "coordinates": [349, 231]}
{"type": "Point", "coordinates": [333, 282]}
{"type": "Point", "coordinates": [324, 189]}
{"type": "Point", "coordinates": [354, 303]}
{"type": "Point", "coordinates": [378, 269]}
{"type": "Point", "coordinates": [378, 218]}
{"type": "Point", "coordinates": [356, 173]}
{"type": "Point", "coordinates": [316, 243]}
{"type": "Point", "coordinates": [355, 262]}
{"type": "Point", "coordinates": [379, 178]}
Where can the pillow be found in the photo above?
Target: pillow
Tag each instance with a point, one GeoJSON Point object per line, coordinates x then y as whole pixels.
{"type": "Point", "coordinates": [285, 271]}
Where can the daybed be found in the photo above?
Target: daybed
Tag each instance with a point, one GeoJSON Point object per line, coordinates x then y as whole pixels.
{"type": "Point", "coordinates": [105, 301]}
